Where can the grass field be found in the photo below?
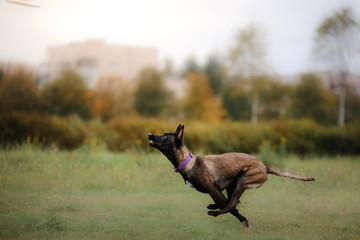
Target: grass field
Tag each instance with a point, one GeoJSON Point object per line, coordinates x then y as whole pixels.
{"type": "Point", "coordinates": [95, 194]}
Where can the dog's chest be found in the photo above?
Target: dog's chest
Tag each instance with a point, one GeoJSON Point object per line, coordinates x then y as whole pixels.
{"type": "Point", "coordinates": [188, 183]}
{"type": "Point", "coordinates": [196, 184]}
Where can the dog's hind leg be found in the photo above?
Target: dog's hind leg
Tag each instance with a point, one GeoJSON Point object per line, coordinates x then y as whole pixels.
{"type": "Point", "coordinates": [242, 219]}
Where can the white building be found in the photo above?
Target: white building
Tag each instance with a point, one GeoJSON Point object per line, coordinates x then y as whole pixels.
{"type": "Point", "coordinates": [93, 59]}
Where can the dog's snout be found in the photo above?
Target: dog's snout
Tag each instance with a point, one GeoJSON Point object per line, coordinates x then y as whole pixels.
{"type": "Point", "coordinates": [151, 139]}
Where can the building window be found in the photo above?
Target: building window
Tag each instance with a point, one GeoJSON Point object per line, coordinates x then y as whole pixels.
{"type": "Point", "coordinates": [87, 62]}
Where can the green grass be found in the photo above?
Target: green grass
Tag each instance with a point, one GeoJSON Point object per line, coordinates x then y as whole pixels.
{"type": "Point", "coordinates": [95, 194]}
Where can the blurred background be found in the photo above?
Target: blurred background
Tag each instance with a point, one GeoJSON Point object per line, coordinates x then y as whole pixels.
{"type": "Point", "coordinates": [83, 82]}
{"type": "Point", "coordinates": [241, 75]}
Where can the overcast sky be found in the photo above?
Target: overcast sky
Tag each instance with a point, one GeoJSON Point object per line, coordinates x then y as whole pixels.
{"type": "Point", "coordinates": [178, 28]}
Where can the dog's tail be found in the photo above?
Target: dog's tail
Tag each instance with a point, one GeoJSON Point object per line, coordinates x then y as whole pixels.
{"type": "Point", "coordinates": [288, 175]}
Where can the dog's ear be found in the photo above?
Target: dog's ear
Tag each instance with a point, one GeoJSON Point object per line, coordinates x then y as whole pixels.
{"type": "Point", "coordinates": [179, 132]}
{"type": "Point", "coordinates": [178, 128]}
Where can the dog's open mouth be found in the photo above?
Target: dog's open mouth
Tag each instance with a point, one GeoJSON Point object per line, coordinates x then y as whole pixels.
{"type": "Point", "coordinates": [151, 139]}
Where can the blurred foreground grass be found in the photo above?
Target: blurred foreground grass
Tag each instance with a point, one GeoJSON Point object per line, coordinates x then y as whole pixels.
{"type": "Point", "coordinates": [96, 194]}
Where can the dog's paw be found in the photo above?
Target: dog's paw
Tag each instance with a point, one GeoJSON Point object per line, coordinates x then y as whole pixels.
{"type": "Point", "coordinates": [212, 206]}
{"type": "Point", "coordinates": [246, 223]}
{"type": "Point", "coordinates": [213, 213]}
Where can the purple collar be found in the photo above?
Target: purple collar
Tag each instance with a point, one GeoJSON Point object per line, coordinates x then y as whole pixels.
{"type": "Point", "coordinates": [183, 164]}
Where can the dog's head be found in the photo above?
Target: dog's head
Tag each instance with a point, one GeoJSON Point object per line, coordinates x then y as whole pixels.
{"type": "Point", "coordinates": [167, 143]}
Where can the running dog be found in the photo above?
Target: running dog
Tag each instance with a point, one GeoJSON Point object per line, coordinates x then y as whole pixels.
{"type": "Point", "coordinates": [233, 172]}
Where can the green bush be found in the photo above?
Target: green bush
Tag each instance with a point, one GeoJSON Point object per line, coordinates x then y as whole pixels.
{"type": "Point", "coordinates": [129, 133]}
{"type": "Point", "coordinates": [66, 133]}
{"type": "Point", "coordinates": [302, 137]}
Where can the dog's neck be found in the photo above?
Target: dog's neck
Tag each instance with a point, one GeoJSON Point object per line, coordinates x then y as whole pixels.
{"type": "Point", "coordinates": [178, 156]}
{"type": "Point", "coordinates": [181, 155]}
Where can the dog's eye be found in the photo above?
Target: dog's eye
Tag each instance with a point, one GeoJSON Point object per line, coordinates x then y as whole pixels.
{"type": "Point", "coordinates": [164, 137]}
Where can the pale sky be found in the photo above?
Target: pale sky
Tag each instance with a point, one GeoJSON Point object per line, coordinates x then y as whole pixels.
{"type": "Point", "coordinates": [178, 28]}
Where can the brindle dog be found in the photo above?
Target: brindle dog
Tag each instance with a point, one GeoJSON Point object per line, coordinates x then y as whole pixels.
{"type": "Point", "coordinates": [233, 172]}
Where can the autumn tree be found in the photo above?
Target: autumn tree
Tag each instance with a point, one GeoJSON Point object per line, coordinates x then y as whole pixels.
{"type": "Point", "coordinates": [337, 45]}
{"type": "Point", "coordinates": [114, 97]}
{"type": "Point", "coordinates": [200, 103]}
{"type": "Point", "coordinates": [18, 92]}
{"type": "Point", "coordinates": [151, 95]}
{"type": "Point", "coordinates": [68, 95]}
{"type": "Point", "coordinates": [247, 61]}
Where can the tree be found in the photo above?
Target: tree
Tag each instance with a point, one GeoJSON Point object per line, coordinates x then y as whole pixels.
{"type": "Point", "coordinates": [68, 95]}
{"type": "Point", "coordinates": [114, 97]}
{"type": "Point", "coordinates": [191, 66]}
{"type": "Point", "coordinates": [311, 100]}
{"type": "Point", "coordinates": [1, 74]}
{"type": "Point", "coordinates": [275, 100]}
{"type": "Point", "coordinates": [216, 73]}
{"type": "Point", "coordinates": [200, 102]}
{"type": "Point", "coordinates": [151, 95]}
{"type": "Point", "coordinates": [168, 66]}
{"type": "Point", "coordinates": [337, 45]}
{"type": "Point", "coordinates": [247, 61]}
{"type": "Point", "coordinates": [236, 101]}
{"type": "Point", "coordinates": [18, 92]}
{"type": "Point", "coordinates": [353, 106]}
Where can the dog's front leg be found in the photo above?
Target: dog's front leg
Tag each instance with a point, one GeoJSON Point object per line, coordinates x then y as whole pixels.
{"type": "Point", "coordinates": [233, 199]}
{"type": "Point", "coordinates": [223, 204]}
{"type": "Point", "coordinates": [219, 199]}
{"type": "Point", "coordinates": [213, 206]}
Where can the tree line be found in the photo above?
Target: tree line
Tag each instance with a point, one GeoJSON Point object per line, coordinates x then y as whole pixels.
{"type": "Point", "coordinates": [148, 96]}
{"type": "Point", "coordinates": [236, 87]}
